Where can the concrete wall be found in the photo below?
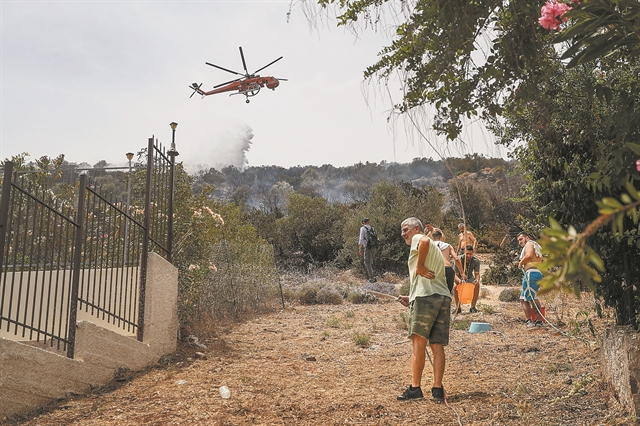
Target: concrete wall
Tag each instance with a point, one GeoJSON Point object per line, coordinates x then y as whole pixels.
{"type": "Point", "coordinates": [621, 366]}
{"type": "Point", "coordinates": [31, 376]}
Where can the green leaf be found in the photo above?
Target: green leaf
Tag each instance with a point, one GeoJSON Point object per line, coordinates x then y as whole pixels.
{"type": "Point", "coordinates": [595, 259]}
{"type": "Point", "coordinates": [611, 202]}
{"type": "Point", "coordinates": [607, 211]}
{"type": "Point", "coordinates": [635, 147]}
{"type": "Point", "coordinates": [596, 50]}
{"type": "Point", "coordinates": [632, 191]}
{"type": "Point", "coordinates": [619, 224]}
{"type": "Point", "coordinates": [552, 232]}
{"type": "Point", "coordinates": [554, 223]}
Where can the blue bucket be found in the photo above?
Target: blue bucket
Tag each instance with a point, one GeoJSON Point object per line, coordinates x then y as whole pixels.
{"type": "Point", "coordinates": [479, 327]}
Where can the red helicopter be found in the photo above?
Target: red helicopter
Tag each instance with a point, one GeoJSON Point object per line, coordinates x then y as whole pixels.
{"type": "Point", "coordinates": [249, 85]}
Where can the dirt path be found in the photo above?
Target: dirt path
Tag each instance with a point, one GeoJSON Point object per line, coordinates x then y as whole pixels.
{"type": "Point", "coordinates": [301, 366]}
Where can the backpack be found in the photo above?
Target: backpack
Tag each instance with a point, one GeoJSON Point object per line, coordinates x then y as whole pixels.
{"type": "Point", "coordinates": [372, 237]}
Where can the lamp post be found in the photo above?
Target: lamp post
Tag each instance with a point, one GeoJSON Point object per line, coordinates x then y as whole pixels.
{"type": "Point", "coordinates": [129, 157]}
{"type": "Point", "coordinates": [126, 217]}
{"type": "Point", "coordinates": [173, 153]}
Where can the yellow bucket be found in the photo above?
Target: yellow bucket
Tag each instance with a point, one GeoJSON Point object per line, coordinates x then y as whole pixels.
{"type": "Point", "coordinates": [465, 292]}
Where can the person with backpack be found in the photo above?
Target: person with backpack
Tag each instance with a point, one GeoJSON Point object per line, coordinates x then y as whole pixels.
{"type": "Point", "coordinates": [367, 244]}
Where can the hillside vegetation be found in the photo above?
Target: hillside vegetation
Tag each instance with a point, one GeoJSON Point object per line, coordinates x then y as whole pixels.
{"type": "Point", "coordinates": [235, 229]}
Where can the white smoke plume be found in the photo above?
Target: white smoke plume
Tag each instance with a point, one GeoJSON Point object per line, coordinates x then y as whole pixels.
{"type": "Point", "coordinates": [226, 149]}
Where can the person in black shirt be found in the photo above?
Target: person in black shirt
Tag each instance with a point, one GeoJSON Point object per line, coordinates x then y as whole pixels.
{"type": "Point", "coordinates": [470, 274]}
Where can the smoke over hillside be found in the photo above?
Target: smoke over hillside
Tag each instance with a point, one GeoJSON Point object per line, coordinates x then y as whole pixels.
{"type": "Point", "coordinates": [262, 186]}
{"type": "Point", "coordinates": [225, 149]}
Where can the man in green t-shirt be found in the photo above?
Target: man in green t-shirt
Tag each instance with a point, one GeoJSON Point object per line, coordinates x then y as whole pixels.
{"type": "Point", "coordinates": [429, 301]}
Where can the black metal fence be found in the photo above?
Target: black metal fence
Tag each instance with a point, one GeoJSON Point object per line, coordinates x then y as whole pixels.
{"type": "Point", "coordinates": [59, 261]}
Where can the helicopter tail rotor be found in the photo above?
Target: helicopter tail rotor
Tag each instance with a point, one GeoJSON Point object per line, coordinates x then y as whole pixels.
{"type": "Point", "coordinates": [196, 88]}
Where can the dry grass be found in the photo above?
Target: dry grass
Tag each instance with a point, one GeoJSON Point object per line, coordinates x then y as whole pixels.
{"type": "Point", "coordinates": [303, 366]}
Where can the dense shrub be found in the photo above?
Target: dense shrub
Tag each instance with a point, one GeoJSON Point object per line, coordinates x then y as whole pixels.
{"type": "Point", "coordinates": [343, 288]}
{"type": "Point", "coordinates": [404, 288]}
{"type": "Point", "coordinates": [361, 339]}
{"type": "Point", "coordinates": [504, 271]}
{"type": "Point", "coordinates": [509, 295]}
{"type": "Point", "coordinates": [389, 205]}
{"type": "Point", "coordinates": [328, 295]}
{"type": "Point", "coordinates": [306, 295]}
{"type": "Point", "coordinates": [313, 227]}
{"type": "Point", "coordinates": [393, 278]}
{"type": "Point", "coordinates": [477, 204]}
{"type": "Point", "coordinates": [381, 287]}
{"type": "Point", "coordinates": [360, 296]}
{"type": "Point", "coordinates": [289, 294]}
{"type": "Point", "coordinates": [225, 272]}
{"type": "Point", "coordinates": [239, 281]}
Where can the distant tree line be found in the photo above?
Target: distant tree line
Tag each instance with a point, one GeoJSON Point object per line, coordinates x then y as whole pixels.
{"type": "Point", "coordinates": [311, 215]}
{"type": "Point", "coordinates": [253, 187]}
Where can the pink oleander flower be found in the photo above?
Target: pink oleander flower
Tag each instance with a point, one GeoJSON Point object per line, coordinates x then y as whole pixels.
{"type": "Point", "coordinates": [638, 164]}
{"type": "Point", "coordinates": [551, 14]}
{"type": "Point", "coordinates": [548, 22]}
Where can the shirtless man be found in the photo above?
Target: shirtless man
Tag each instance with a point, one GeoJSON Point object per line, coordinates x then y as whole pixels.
{"type": "Point", "coordinates": [447, 252]}
{"type": "Point", "coordinates": [431, 229]}
{"type": "Point", "coordinates": [529, 257]}
{"type": "Point", "coordinates": [465, 238]}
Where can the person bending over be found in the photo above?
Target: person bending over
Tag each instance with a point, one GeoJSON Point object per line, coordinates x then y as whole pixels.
{"type": "Point", "coordinates": [448, 253]}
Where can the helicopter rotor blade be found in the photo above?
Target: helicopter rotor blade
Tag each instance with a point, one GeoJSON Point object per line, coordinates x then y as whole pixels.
{"type": "Point", "coordinates": [222, 84]}
{"type": "Point", "coordinates": [282, 79]}
{"type": "Point", "coordinates": [224, 69]}
{"type": "Point", "coordinates": [244, 64]}
{"type": "Point", "coordinates": [269, 64]}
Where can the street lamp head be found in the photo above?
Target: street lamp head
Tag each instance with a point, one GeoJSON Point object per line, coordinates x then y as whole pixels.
{"type": "Point", "coordinates": [129, 155]}
{"type": "Point", "coordinates": [172, 151]}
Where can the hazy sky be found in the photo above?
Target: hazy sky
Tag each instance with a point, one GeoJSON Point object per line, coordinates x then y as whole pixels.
{"type": "Point", "coordinates": [95, 79]}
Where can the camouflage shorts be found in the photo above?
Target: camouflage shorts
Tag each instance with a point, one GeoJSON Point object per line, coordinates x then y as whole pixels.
{"type": "Point", "coordinates": [429, 317]}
